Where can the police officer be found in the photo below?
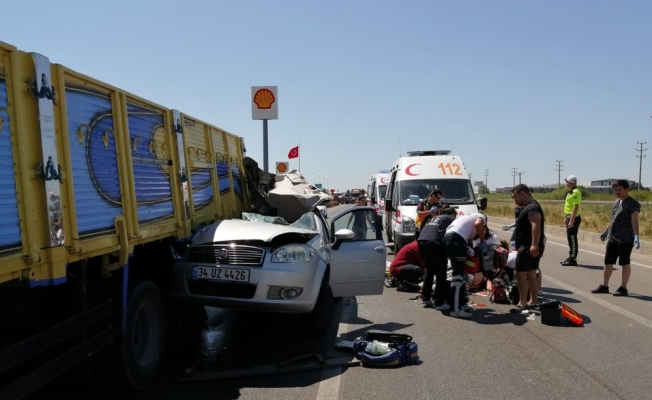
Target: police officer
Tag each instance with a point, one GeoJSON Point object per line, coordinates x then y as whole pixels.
{"type": "Point", "coordinates": [572, 219]}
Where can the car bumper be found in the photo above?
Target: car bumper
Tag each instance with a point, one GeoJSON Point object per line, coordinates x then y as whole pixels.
{"type": "Point", "coordinates": [262, 293]}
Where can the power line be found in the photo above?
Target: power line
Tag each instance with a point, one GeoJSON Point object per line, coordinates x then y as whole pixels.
{"type": "Point", "coordinates": [519, 177]}
{"type": "Point", "coordinates": [514, 173]}
{"type": "Point", "coordinates": [640, 163]}
{"type": "Point", "coordinates": [559, 169]}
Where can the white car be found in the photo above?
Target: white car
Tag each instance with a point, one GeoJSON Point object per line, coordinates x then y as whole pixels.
{"type": "Point", "coordinates": [295, 268]}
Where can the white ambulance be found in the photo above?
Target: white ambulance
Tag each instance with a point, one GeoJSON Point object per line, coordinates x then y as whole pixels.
{"type": "Point", "coordinates": [411, 180]}
{"type": "Point", "coordinates": [376, 190]}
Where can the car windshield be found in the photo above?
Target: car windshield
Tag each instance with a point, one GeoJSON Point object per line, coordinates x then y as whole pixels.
{"type": "Point", "coordinates": [382, 189]}
{"type": "Point", "coordinates": [306, 221]}
{"type": "Point", "coordinates": [456, 191]}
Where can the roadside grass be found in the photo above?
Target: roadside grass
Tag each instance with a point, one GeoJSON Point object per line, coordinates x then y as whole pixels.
{"type": "Point", "coordinates": [595, 217]}
{"type": "Point", "coordinates": [560, 194]}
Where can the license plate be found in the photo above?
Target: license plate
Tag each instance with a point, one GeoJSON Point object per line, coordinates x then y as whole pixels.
{"type": "Point", "coordinates": [221, 274]}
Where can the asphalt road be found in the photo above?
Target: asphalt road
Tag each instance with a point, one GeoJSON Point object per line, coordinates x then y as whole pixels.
{"type": "Point", "coordinates": [496, 355]}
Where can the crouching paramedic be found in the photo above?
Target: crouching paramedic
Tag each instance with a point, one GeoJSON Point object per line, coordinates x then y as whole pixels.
{"type": "Point", "coordinates": [407, 268]}
{"type": "Point", "coordinates": [458, 234]}
{"type": "Point", "coordinates": [431, 245]}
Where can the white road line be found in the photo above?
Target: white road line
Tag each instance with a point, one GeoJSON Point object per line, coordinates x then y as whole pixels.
{"type": "Point", "coordinates": [591, 252]}
{"type": "Point", "coordinates": [596, 299]}
{"type": "Point", "coordinates": [598, 254]}
{"type": "Point", "coordinates": [329, 387]}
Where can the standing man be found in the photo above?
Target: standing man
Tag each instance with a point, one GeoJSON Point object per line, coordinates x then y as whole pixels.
{"type": "Point", "coordinates": [456, 240]}
{"type": "Point", "coordinates": [622, 233]}
{"type": "Point", "coordinates": [529, 239]}
{"type": "Point", "coordinates": [425, 209]}
{"type": "Point", "coordinates": [572, 219]}
{"type": "Point", "coordinates": [431, 246]}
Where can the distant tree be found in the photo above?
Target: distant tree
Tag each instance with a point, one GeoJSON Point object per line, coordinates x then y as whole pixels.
{"type": "Point", "coordinates": [483, 190]}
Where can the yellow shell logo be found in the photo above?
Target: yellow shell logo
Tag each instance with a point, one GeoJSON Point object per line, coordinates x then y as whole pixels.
{"type": "Point", "coordinates": [281, 168]}
{"type": "Point", "coordinates": [264, 98]}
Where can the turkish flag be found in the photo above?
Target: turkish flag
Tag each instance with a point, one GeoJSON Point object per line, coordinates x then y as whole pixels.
{"type": "Point", "coordinates": [294, 153]}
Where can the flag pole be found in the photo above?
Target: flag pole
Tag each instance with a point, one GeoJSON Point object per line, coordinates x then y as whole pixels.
{"type": "Point", "coordinates": [299, 156]}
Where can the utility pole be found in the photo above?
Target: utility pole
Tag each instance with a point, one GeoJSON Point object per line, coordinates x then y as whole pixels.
{"type": "Point", "coordinates": [519, 177]}
{"type": "Point", "coordinates": [486, 175]}
{"type": "Point", "coordinates": [514, 176]}
{"type": "Point", "coordinates": [559, 169]}
{"type": "Point", "coordinates": [640, 163]}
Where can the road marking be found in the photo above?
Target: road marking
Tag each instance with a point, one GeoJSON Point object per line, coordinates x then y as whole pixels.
{"type": "Point", "coordinates": [329, 387]}
{"type": "Point", "coordinates": [601, 255]}
{"type": "Point", "coordinates": [591, 252]}
{"type": "Point", "coordinates": [592, 297]}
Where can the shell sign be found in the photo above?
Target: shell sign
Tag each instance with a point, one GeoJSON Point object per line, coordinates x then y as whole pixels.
{"type": "Point", "coordinates": [282, 167]}
{"type": "Point", "coordinates": [264, 102]}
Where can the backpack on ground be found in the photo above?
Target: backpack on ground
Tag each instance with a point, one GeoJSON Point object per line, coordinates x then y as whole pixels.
{"type": "Point", "coordinates": [399, 347]}
{"type": "Point", "coordinates": [499, 292]}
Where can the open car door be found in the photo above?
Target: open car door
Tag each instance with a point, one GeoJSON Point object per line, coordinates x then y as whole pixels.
{"type": "Point", "coordinates": [358, 263]}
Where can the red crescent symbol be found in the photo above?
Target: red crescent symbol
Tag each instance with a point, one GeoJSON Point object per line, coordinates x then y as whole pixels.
{"type": "Point", "coordinates": [407, 170]}
{"type": "Point", "coordinates": [383, 180]}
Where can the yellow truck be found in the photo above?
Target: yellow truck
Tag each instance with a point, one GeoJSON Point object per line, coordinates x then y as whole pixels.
{"type": "Point", "coordinates": [100, 191]}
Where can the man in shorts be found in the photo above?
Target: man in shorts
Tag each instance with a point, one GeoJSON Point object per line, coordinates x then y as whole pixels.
{"type": "Point", "coordinates": [529, 240]}
{"type": "Point", "coordinates": [622, 235]}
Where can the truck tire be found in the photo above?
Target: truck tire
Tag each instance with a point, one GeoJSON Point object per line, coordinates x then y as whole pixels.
{"type": "Point", "coordinates": [317, 321]}
{"type": "Point", "coordinates": [133, 362]}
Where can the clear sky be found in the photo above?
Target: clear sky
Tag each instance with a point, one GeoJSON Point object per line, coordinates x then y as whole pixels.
{"type": "Point", "coordinates": [504, 83]}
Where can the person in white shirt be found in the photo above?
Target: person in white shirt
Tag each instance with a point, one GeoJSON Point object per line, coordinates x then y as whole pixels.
{"type": "Point", "coordinates": [458, 234]}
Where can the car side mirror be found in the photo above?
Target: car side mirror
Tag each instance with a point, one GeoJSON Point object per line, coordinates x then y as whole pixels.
{"type": "Point", "coordinates": [341, 236]}
{"type": "Point", "coordinates": [388, 205]}
{"type": "Point", "coordinates": [373, 200]}
{"type": "Point", "coordinates": [344, 234]}
{"type": "Point", "coordinates": [483, 203]}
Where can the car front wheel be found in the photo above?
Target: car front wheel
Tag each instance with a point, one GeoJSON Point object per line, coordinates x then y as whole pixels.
{"type": "Point", "coordinates": [317, 321]}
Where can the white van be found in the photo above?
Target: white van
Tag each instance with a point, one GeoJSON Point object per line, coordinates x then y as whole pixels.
{"type": "Point", "coordinates": [376, 190]}
{"type": "Point", "coordinates": [411, 180]}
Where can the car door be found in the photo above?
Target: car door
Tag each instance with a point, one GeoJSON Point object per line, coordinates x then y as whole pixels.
{"type": "Point", "coordinates": [358, 265]}
{"type": "Point", "coordinates": [390, 215]}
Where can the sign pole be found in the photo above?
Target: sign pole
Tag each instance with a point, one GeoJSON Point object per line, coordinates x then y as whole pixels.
{"type": "Point", "coordinates": [265, 148]}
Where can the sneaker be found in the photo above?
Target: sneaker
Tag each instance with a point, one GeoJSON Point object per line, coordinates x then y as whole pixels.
{"type": "Point", "coordinates": [428, 303]}
{"type": "Point", "coordinates": [461, 314]}
{"type": "Point", "coordinates": [411, 287]}
{"type": "Point", "coordinates": [443, 307]}
{"type": "Point", "coordinates": [467, 307]}
{"type": "Point", "coordinates": [601, 289]}
{"type": "Point", "coordinates": [621, 292]}
{"type": "Point", "coordinates": [516, 309]}
{"type": "Point", "coordinates": [569, 263]}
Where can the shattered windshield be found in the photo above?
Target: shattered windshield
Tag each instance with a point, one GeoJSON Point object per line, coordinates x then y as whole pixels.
{"type": "Point", "coordinates": [306, 221]}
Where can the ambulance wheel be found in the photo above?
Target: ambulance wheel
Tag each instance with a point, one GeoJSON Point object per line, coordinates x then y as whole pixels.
{"type": "Point", "coordinates": [317, 321]}
{"type": "Point", "coordinates": [396, 248]}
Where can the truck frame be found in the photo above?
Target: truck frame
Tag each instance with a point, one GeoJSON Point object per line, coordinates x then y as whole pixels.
{"type": "Point", "coordinates": [102, 190]}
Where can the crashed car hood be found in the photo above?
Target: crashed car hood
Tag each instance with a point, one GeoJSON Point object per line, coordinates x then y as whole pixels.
{"type": "Point", "coordinates": [234, 230]}
{"type": "Point", "coordinates": [293, 196]}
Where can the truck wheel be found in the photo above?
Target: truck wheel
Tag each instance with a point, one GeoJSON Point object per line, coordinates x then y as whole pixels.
{"type": "Point", "coordinates": [132, 363]}
{"type": "Point", "coordinates": [317, 321]}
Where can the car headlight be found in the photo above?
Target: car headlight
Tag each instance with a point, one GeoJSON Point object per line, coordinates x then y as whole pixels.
{"type": "Point", "coordinates": [292, 253]}
{"type": "Point", "coordinates": [408, 225]}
